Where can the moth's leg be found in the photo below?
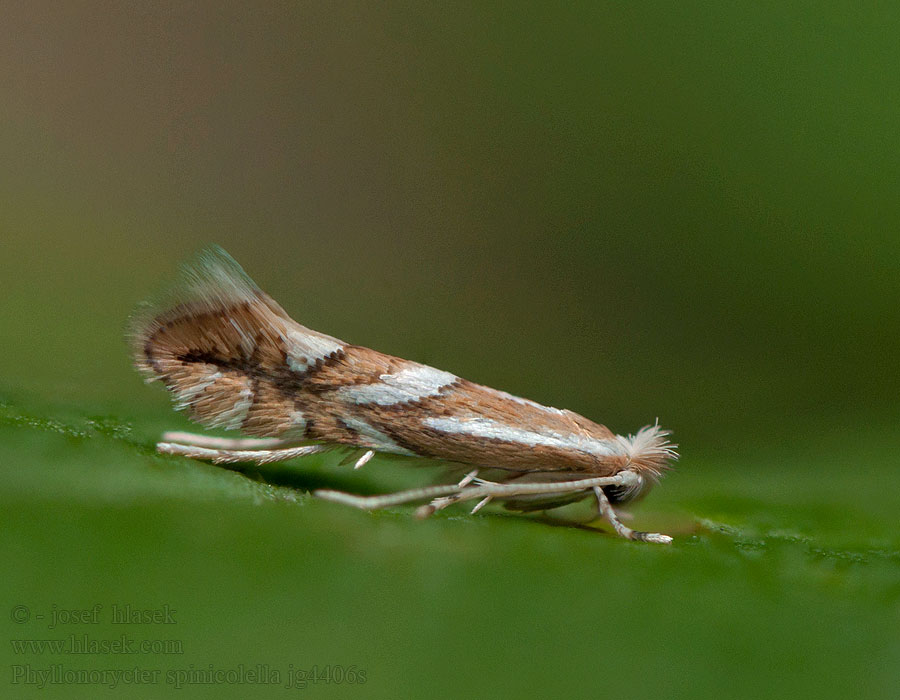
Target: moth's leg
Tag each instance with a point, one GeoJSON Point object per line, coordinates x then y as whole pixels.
{"type": "Point", "coordinates": [481, 490]}
{"type": "Point", "coordinates": [437, 504]}
{"type": "Point", "coordinates": [217, 443]}
{"type": "Point", "coordinates": [358, 457]}
{"type": "Point", "coordinates": [481, 504]}
{"type": "Point", "coordinates": [228, 456]}
{"type": "Point", "coordinates": [365, 458]}
{"type": "Point", "coordinates": [387, 500]}
{"type": "Point", "coordinates": [444, 501]}
{"type": "Point", "coordinates": [468, 478]}
{"type": "Point", "coordinates": [607, 511]}
{"type": "Point", "coordinates": [504, 490]}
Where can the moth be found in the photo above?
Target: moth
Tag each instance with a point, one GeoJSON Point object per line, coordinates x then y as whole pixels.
{"type": "Point", "coordinates": [233, 359]}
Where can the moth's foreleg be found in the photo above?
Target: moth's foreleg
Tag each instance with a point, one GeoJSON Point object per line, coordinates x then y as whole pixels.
{"type": "Point", "coordinates": [220, 455]}
{"type": "Point", "coordinates": [607, 511]}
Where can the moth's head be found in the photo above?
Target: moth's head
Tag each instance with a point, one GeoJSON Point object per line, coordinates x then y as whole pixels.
{"type": "Point", "coordinates": [649, 453]}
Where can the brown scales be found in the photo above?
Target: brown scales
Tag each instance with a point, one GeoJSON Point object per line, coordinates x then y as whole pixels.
{"type": "Point", "coordinates": [224, 351]}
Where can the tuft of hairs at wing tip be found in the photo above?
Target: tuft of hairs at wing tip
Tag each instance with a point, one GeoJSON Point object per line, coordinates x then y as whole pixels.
{"type": "Point", "coordinates": [209, 281]}
{"type": "Point", "coordinates": [650, 450]}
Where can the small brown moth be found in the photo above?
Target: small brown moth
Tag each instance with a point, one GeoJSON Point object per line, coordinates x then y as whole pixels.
{"type": "Point", "coordinates": [234, 359]}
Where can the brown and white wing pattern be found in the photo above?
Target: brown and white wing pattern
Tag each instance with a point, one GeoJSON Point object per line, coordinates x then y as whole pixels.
{"type": "Point", "coordinates": [234, 359]}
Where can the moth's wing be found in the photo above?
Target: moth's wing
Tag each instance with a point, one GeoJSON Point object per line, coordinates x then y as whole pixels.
{"type": "Point", "coordinates": [219, 343]}
{"type": "Point", "coordinates": [436, 414]}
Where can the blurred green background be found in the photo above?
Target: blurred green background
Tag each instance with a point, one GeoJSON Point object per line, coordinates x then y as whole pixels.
{"type": "Point", "coordinates": [677, 210]}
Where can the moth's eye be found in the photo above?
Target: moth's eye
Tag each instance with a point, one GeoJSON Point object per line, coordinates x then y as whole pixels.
{"type": "Point", "coordinates": [623, 494]}
{"type": "Point", "coordinates": [616, 494]}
